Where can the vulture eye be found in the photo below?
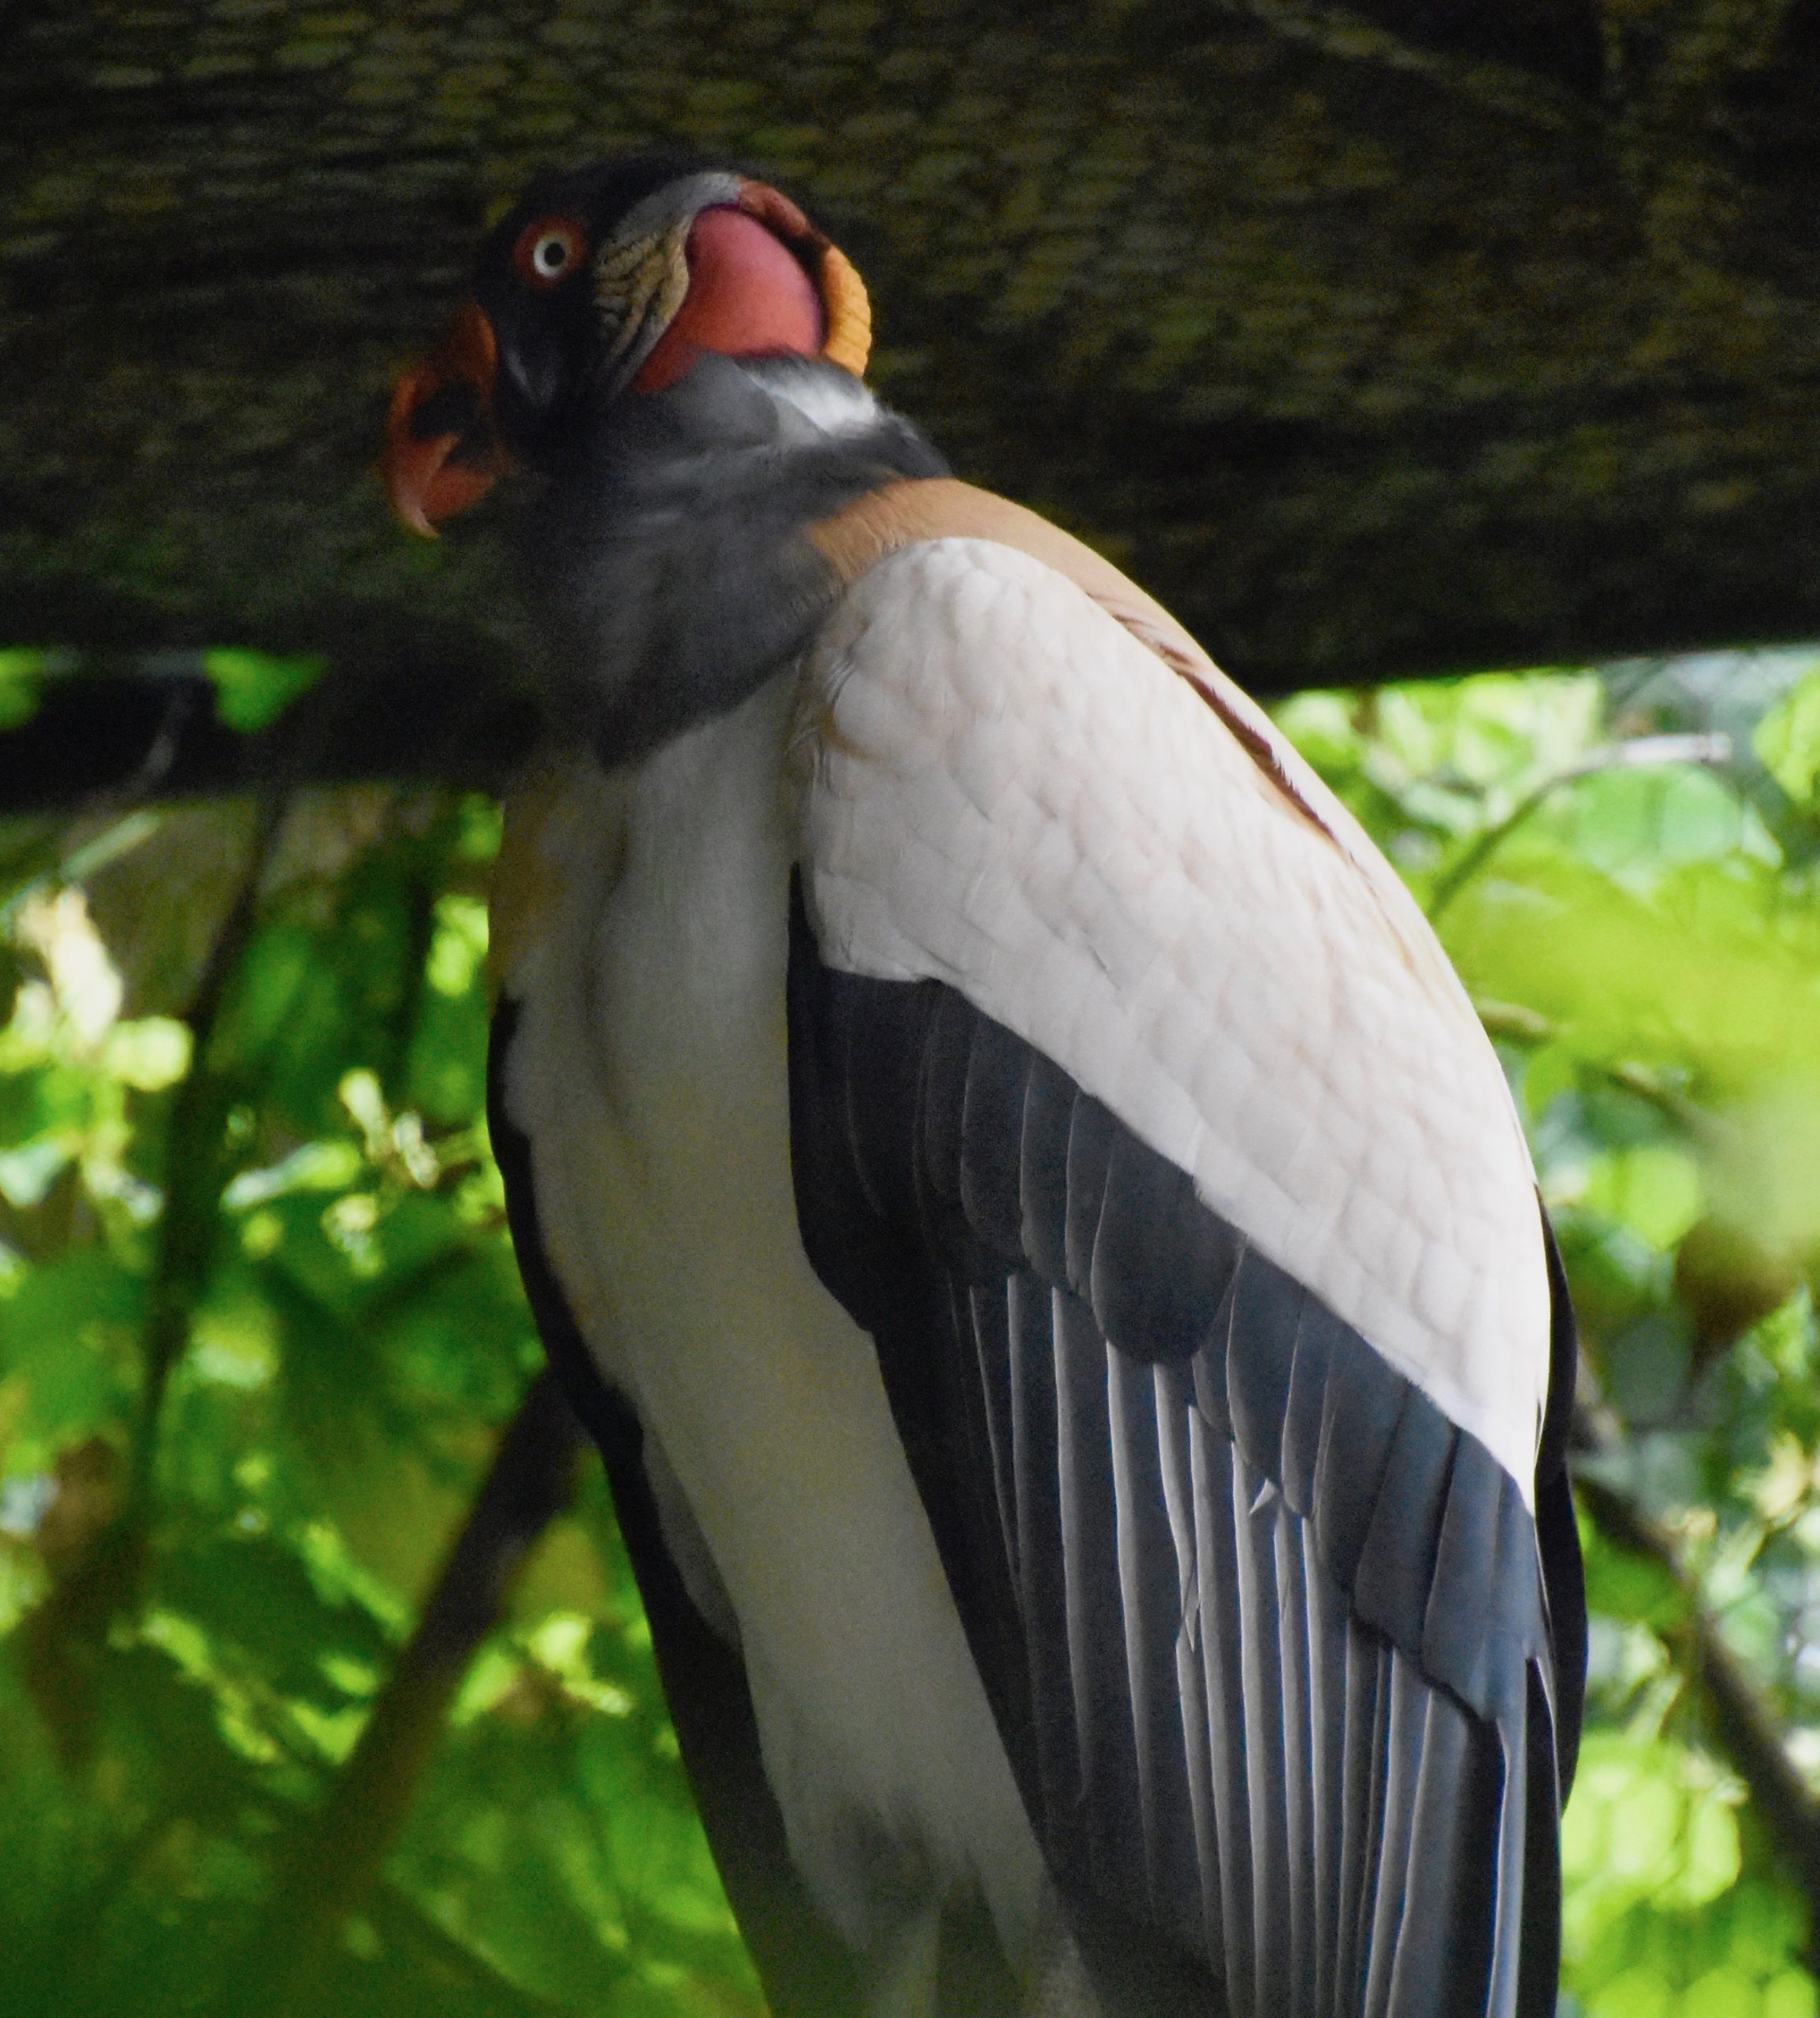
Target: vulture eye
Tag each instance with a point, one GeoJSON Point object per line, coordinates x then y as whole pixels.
{"type": "Point", "coordinates": [549, 251]}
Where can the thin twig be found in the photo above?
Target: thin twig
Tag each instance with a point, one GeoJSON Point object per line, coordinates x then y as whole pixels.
{"type": "Point", "coordinates": [403, 1923]}
{"type": "Point", "coordinates": [1517, 1023]}
{"type": "Point", "coordinates": [193, 1169]}
{"type": "Point", "coordinates": [1638, 751]}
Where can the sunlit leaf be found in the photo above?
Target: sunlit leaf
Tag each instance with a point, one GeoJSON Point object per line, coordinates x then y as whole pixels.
{"type": "Point", "coordinates": [22, 674]}
{"type": "Point", "coordinates": [253, 689]}
{"type": "Point", "coordinates": [1788, 739]}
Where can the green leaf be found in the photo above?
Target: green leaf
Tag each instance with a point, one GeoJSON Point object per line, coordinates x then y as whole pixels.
{"type": "Point", "coordinates": [1636, 824]}
{"type": "Point", "coordinates": [1792, 1994]}
{"type": "Point", "coordinates": [1320, 726]}
{"type": "Point", "coordinates": [70, 1330]}
{"type": "Point", "coordinates": [252, 689]}
{"type": "Point", "coordinates": [22, 675]}
{"type": "Point", "coordinates": [1621, 1585]}
{"type": "Point", "coordinates": [1788, 739]}
{"type": "Point", "coordinates": [1654, 1190]}
{"type": "Point", "coordinates": [148, 1055]}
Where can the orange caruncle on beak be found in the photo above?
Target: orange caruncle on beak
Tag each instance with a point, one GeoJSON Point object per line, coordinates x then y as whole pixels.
{"type": "Point", "coordinates": [442, 454]}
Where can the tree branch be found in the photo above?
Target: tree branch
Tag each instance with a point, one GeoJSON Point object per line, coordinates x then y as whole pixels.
{"type": "Point", "coordinates": [134, 733]}
{"type": "Point", "coordinates": [1741, 1723]}
{"type": "Point", "coordinates": [193, 1172]}
{"type": "Point", "coordinates": [1516, 1023]}
{"type": "Point", "coordinates": [333, 1863]}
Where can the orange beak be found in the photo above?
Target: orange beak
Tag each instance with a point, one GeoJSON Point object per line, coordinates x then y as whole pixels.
{"type": "Point", "coordinates": [441, 453]}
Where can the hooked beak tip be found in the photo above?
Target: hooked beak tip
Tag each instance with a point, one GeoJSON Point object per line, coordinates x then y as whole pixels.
{"type": "Point", "coordinates": [411, 514]}
{"type": "Point", "coordinates": [409, 472]}
{"type": "Point", "coordinates": [431, 473]}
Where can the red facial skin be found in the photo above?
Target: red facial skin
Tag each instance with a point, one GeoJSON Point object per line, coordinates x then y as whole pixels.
{"type": "Point", "coordinates": [749, 297]}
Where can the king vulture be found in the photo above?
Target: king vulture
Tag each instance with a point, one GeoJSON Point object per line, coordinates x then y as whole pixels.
{"type": "Point", "coordinates": [1012, 1184]}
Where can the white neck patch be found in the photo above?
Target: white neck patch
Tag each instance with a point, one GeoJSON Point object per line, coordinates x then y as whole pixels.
{"type": "Point", "coordinates": [833, 401]}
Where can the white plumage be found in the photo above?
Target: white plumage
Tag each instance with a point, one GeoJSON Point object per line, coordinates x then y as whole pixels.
{"type": "Point", "coordinates": [990, 782]}
{"type": "Point", "coordinates": [648, 1073]}
{"type": "Point", "coordinates": [1002, 788]}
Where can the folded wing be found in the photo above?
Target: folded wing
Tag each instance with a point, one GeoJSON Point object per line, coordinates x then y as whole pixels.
{"type": "Point", "coordinates": [1143, 1127]}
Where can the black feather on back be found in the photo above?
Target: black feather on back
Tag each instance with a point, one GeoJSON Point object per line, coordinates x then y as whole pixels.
{"type": "Point", "coordinates": [1290, 1679]}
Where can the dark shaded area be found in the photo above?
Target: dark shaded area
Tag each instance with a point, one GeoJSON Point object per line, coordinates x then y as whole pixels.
{"type": "Point", "coordinates": [1557, 39]}
{"type": "Point", "coordinates": [1376, 341]}
{"type": "Point", "coordinates": [146, 732]}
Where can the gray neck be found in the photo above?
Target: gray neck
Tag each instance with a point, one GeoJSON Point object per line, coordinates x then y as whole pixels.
{"type": "Point", "coordinates": [668, 557]}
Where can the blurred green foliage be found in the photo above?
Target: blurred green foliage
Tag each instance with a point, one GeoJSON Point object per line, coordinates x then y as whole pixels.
{"type": "Point", "coordinates": [1641, 935]}
{"type": "Point", "coordinates": [200, 1601]}
{"type": "Point", "coordinates": [172, 1707]}
{"type": "Point", "coordinates": [253, 688]}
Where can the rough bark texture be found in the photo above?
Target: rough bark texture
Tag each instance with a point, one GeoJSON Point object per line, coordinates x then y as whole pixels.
{"type": "Point", "coordinates": [1430, 333]}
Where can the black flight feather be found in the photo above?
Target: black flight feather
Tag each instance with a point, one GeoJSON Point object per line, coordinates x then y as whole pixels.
{"type": "Point", "coordinates": [1286, 1672]}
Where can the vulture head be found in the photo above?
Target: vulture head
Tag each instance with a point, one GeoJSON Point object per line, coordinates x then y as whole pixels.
{"type": "Point", "coordinates": [611, 279]}
{"type": "Point", "coordinates": [672, 354]}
